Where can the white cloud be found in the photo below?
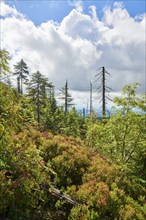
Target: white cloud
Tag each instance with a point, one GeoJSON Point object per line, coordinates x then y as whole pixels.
{"type": "Point", "coordinates": [93, 12]}
{"type": "Point", "coordinates": [75, 48]}
{"type": "Point", "coordinates": [78, 4]}
{"type": "Point", "coordinates": [119, 4]}
{"type": "Point", "coordinates": [80, 25]}
{"type": "Point", "coordinates": [6, 10]}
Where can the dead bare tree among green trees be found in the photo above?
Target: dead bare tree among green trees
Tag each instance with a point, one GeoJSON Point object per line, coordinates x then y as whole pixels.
{"type": "Point", "coordinates": [66, 97]}
{"type": "Point", "coordinates": [103, 90]}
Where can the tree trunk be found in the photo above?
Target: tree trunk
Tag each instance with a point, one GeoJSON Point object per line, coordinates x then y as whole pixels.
{"type": "Point", "coordinates": [66, 88]}
{"type": "Point", "coordinates": [103, 93]}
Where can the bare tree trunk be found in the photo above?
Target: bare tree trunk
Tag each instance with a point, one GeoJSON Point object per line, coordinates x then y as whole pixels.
{"type": "Point", "coordinates": [103, 89]}
{"type": "Point", "coordinates": [103, 93]}
{"type": "Point", "coordinates": [91, 98]}
{"type": "Point", "coordinates": [38, 105]}
{"type": "Point", "coordinates": [66, 104]}
{"type": "Point", "coordinates": [18, 84]}
{"type": "Point", "coordinates": [21, 80]}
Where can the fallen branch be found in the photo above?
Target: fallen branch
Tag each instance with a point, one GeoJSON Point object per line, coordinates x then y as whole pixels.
{"type": "Point", "coordinates": [59, 194]}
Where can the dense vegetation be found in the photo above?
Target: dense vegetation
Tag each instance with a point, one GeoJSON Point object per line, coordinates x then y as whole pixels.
{"type": "Point", "coordinates": [100, 164]}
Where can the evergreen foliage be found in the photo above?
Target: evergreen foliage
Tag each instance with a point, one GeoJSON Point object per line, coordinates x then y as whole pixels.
{"type": "Point", "coordinates": [99, 164]}
{"type": "Point", "coordinates": [4, 62]}
{"type": "Point", "coordinates": [39, 91]}
{"type": "Point", "coordinates": [21, 70]}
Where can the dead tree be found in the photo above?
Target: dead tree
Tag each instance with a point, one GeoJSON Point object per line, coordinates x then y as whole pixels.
{"type": "Point", "coordinates": [91, 107]}
{"type": "Point", "coordinates": [103, 89]}
{"type": "Point", "coordinates": [66, 97]}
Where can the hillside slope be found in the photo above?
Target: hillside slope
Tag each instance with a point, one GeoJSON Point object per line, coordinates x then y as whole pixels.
{"type": "Point", "coordinates": [34, 161]}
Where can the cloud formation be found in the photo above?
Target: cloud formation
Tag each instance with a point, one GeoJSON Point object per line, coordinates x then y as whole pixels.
{"type": "Point", "coordinates": [75, 47]}
{"type": "Point", "coordinates": [6, 10]}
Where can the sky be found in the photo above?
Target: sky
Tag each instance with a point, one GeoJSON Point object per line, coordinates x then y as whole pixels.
{"type": "Point", "coordinates": [71, 39]}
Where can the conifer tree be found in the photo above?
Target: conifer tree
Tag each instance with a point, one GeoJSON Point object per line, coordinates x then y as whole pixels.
{"type": "Point", "coordinates": [21, 70]}
{"type": "Point", "coordinates": [4, 62]}
{"type": "Point", "coordinates": [39, 90]}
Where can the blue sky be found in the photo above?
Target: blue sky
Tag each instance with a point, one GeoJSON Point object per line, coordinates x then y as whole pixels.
{"type": "Point", "coordinates": [41, 11]}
